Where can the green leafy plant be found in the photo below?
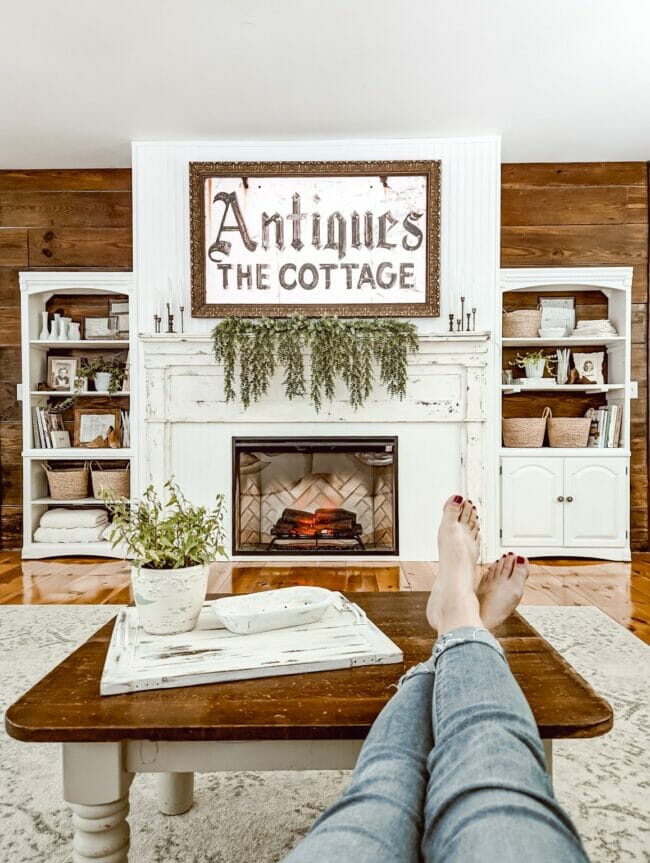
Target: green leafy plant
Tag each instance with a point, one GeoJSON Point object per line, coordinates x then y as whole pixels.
{"type": "Point", "coordinates": [113, 366]}
{"type": "Point", "coordinates": [521, 361]}
{"type": "Point", "coordinates": [169, 534]}
{"type": "Point", "coordinates": [350, 349]}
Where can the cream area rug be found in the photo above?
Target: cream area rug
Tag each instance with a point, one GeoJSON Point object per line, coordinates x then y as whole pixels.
{"type": "Point", "coordinates": [258, 817]}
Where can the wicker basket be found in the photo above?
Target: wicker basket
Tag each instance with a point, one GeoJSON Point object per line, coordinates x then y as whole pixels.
{"type": "Point", "coordinates": [115, 480]}
{"type": "Point", "coordinates": [568, 431]}
{"type": "Point", "coordinates": [522, 324]}
{"type": "Point", "coordinates": [525, 431]}
{"type": "Point", "coordinates": [67, 483]}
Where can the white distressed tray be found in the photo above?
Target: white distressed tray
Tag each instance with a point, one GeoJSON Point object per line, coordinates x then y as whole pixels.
{"type": "Point", "coordinates": [342, 638]}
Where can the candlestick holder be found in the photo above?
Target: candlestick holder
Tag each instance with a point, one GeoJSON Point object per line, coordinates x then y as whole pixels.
{"type": "Point", "coordinates": [451, 322]}
{"type": "Point", "coordinates": [181, 309]}
{"type": "Point", "coordinates": [468, 320]}
{"type": "Point", "coordinates": [473, 320]}
{"type": "Point", "coordinates": [157, 320]}
{"type": "Point", "coordinates": [458, 323]}
{"type": "Point", "coordinates": [170, 320]}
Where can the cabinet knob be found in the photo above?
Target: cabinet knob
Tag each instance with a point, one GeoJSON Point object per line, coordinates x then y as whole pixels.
{"type": "Point", "coordinates": [560, 499]}
{"type": "Point", "coordinates": [569, 499]}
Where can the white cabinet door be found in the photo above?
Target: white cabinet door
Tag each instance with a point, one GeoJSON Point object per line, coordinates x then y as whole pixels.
{"type": "Point", "coordinates": [531, 514]}
{"type": "Point", "coordinates": [596, 502]}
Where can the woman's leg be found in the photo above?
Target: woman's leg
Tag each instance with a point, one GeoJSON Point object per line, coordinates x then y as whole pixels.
{"type": "Point", "coordinates": [489, 795]}
{"type": "Point", "coordinates": [380, 816]}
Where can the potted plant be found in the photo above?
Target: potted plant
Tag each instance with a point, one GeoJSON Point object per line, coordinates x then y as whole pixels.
{"type": "Point", "coordinates": [172, 545]}
{"type": "Point", "coordinates": [534, 363]}
{"type": "Point", "coordinates": [106, 374]}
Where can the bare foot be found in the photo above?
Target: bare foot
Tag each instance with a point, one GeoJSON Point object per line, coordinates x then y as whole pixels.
{"type": "Point", "coordinates": [453, 602]}
{"type": "Point", "coordinates": [501, 588]}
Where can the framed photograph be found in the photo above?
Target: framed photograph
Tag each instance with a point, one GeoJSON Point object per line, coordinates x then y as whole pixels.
{"type": "Point", "coordinates": [61, 373]}
{"type": "Point", "coordinates": [347, 238]}
{"type": "Point", "coordinates": [96, 427]}
{"type": "Point", "coordinates": [60, 439]}
{"type": "Point", "coordinates": [101, 328]}
{"type": "Point", "coordinates": [589, 367]}
{"type": "Point", "coordinates": [123, 326]}
{"type": "Point", "coordinates": [118, 307]}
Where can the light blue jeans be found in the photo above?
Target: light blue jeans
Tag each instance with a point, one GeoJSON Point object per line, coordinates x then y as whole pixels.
{"type": "Point", "coordinates": [481, 793]}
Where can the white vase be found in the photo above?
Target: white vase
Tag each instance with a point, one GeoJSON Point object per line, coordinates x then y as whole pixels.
{"type": "Point", "coordinates": [169, 600]}
{"type": "Point", "coordinates": [54, 329]}
{"type": "Point", "coordinates": [63, 329]}
{"type": "Point", "coordinates": [102, 381]}
{"type": "Point", "coordinates": [74, 331]}
{"type": "Point", "coordinates": [44, 335]}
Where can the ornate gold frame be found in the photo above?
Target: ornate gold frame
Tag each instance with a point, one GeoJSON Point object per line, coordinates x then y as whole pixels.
{"type": "Point", "coordinates": [200, 171]}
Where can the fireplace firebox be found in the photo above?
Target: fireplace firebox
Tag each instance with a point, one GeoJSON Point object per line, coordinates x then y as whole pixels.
{"type": "Point", "coordinates": [315, 495]}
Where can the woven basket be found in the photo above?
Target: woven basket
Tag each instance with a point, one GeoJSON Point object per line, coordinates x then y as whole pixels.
{"type": "Point", "coordinates": [522, 324]}
{"type": "Point", "coordinates": [568, 431]}
{"type": "Point", "coordinates": [67, 483]}
{"type": "Point", "coordinates": [114, 479]}
{"type": "Point", "coordinates": [525, 431]}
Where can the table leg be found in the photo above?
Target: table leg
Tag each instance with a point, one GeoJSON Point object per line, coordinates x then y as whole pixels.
{"type": "Point", "coordinates": [548, 752]}
{"type": "Point", "coordinates": [175, 792]}
{"type": "Point", "coordinates": [96, 784]}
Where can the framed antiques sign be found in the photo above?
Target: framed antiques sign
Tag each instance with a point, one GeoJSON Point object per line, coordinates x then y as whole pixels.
{"type": "Point", "coordinates": [357, 239]}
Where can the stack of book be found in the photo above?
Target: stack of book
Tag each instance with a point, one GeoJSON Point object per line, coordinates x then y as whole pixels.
{"type": "Point", "coordinates": [48, 429]}
{"type": "Point", "coordinates": [605, 431]}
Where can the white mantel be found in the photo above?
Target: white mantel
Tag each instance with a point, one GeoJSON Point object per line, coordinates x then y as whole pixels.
{"type": "Point", "coordinates": [442, 426]}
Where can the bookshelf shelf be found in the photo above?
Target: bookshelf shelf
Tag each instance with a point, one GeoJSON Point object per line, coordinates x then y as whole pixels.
{"type": "Point", "coordinates": [105, 344]}
{"type": "Point", "coordinates": [66, 395]}
{"type": "Point", "coordinates": [79, 294]}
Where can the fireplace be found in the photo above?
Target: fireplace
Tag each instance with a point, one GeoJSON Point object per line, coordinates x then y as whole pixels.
{"type": "Point", "coordinates": [317, 495]}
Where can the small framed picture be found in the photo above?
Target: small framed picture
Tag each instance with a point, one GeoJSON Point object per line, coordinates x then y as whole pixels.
{"type": "Point", "coordinates": [60, 439]}
{"type": "Point", "coordinates": [97, 427]}
{"type": "Point", "coordinates": [589, 367]}
{"type": "Point", "coordinates": [118, 307]}
{"type": "Point", "coordinates": [61, 373]}
{"type": "Point", "coordinates": [101, 328]}
{"type": "Point", "coordinates": [123, 326]}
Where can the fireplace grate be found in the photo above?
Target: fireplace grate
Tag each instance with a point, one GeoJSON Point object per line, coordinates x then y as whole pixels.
{"type": "Point", "coordinates": [324, 528]}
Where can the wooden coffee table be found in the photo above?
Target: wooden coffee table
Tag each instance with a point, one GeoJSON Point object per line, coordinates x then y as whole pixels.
{"type": "Point", "coordinates": [301, 722]}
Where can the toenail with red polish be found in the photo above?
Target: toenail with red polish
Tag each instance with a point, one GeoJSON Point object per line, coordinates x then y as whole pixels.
{"type": "Point", "coordinates": [521, 559]}
{"type": "Point", "coordinates": [458, 499]}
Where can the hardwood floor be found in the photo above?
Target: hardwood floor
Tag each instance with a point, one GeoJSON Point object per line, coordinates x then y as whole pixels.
{"type": "Point", "coordinates": [621, 590]}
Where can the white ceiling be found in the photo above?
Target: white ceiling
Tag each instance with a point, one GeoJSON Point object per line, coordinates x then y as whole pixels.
{"type": "Point", "coordinates": [560, 80]}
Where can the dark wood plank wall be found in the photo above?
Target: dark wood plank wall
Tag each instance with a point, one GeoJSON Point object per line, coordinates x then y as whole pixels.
{"type": "Point", "coordinates": [48, 220]}
{"type": "Point", "coordinates": [589, 214]}
{"type": "Point", "coordinates": [552, 214]}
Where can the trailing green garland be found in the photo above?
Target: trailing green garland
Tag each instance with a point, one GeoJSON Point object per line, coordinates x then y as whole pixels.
{"type": "Point", "coordinates": [252, 348]}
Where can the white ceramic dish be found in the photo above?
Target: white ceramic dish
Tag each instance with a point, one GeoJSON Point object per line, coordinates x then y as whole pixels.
{"type": "Point", "coordinates": [552, 333]}
{"type": "Point", "coordinates": [273, 609]}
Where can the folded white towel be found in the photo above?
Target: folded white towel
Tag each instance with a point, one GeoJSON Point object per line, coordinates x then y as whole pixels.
{"type": "Point", "coordinates": [69, 534]}
{"type": "Point", "coordinates": [78, 517]}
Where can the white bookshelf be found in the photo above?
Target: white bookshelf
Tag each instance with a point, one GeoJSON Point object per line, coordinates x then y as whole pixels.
{"type": "Point", "coordinates": [37, 289]}
{"type": "Point", "coordinates": [557, 501]}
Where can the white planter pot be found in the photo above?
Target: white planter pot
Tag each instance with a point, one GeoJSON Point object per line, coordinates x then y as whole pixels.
{"type": "Point", "coordinates": [169, 600]}
{"type": "Point", "coordinates": [102, 381]}
{"type": "Point", "coordinates": [535, 370]}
